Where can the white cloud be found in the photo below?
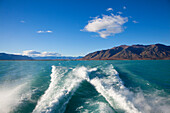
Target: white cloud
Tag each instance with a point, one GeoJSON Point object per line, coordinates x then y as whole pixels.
{"type": "Point", "coordinates": [134, 21]}
{"type": "Point", "coordinates": [109, 9]}
{"type": "Point", "coordinates": [33, 53]}
{"type": "Point", "coordinates": [41, 31]}
{"type": "Point", "coordinates": [119, 12]}
{"type": "Point", "coordinates": [48, 31]}
{"type": "Point", "coordinates": [124, 7]}
{"type": "Point", "coordinates": [22, 21]}
{"type": "Point", "coordinates": [107, 25]}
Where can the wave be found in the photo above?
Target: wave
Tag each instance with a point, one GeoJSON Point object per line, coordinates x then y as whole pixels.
{"type": "Point", "coordinates": [61, 89]}
{"type": "Point", "coordinates": [121, 98]}
{"type": "Point", "coordinates": [95, 107]}
{"type": "Point", "coordinates": [64, 84]}
{"type": "Point", "coordinates": [65, 81]}
{"type": "Point", "coordinates": [12, 95]}
{"type": "Point", "coordinates": [112, 88]}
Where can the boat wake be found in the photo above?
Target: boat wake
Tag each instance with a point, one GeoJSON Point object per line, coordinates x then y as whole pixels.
{"type": "Point", "coordinates": [65, 82]}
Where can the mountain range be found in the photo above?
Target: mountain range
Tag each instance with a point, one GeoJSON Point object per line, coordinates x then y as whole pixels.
{"type": "Point", "coordinates": [134, 52]}
{"type": "Point", "coordinates": [123, 52]}
{"type": "Point", "coordinates": [4, 56]}
{"type": "Point", "coordinates": [58, 58]}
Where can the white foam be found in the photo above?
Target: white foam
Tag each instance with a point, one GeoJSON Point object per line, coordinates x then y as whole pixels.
{"type": "Point", "coordinates": [92, 69]}
{"type": "Point", "coordinates": [10, 97]}
{"type": "Point", "coordinates": [64, 84]}
{"type": "Point", "coordinates": [94, 106]}
{"type": "Point", "coordinates": [104, 108]}
{"type": "Point", "coordinates": [81, 72]}
{"type": "Point", "coordinates": [152, 102]}
{"type": "Point", "coordinates": [100, 107]}
{"type": "Point", "coordinates": [60, 89]}
{"type": "Point", "coordinates": [112, 88]}
{"type": "Point", "coordinates": [116, 98]}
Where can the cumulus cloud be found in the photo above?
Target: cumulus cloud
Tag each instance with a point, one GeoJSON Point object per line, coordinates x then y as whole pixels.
{"type": "Point", "coordinates": [124, 7]}
{"type": "Point", "coordinates": [134, 21]}
{"type": "Point", "coordinates": [109, 9]}
{"type": "Point", "coordinates": [33, 53]}
{"type": "Point", "coordinates": [41, 31]}
{"type": "Point", "coordinates": [107, 25]}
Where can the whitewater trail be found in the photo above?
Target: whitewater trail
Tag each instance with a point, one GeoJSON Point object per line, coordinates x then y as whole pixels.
{"type": "Point", "coordinates": [64, 83]}
{"type": "Point", "coordinates": [113, 90]}
{"type": "Point", "coordinates": [60, 89]}
{"type": "Point", "coordinates": [10, 97]}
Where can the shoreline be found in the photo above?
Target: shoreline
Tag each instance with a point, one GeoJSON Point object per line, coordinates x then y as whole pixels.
{"type": "Point", "coordinates": [83, 60]}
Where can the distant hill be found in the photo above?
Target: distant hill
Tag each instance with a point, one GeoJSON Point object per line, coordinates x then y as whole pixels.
{"type": "Point", "coordinates": [53, 58]}
{"type": "Point", "coordinates": [4, 56]}
{"type": "Point", "coordinates": [134, 52]}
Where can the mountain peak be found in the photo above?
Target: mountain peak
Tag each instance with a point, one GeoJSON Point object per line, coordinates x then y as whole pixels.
{"type": "Point", "coordinates": [158, 44]}
{"type": "Point", "coordinates": [122, 46]}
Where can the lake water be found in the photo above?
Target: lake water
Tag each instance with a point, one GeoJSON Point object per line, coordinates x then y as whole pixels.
{"type": "Point", "coordinates": [128, 86]}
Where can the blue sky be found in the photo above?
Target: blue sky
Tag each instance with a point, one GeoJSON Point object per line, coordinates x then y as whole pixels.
{"type": "Point", "coordinates": [77, 27]}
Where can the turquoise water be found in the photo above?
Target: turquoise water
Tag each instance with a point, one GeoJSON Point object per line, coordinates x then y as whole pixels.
{"type": "Point", "coordinates": [85, 86]}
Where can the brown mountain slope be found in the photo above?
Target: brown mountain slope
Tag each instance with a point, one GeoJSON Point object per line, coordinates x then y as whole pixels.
{"type": "Point", "coordinates": [134, 52]}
